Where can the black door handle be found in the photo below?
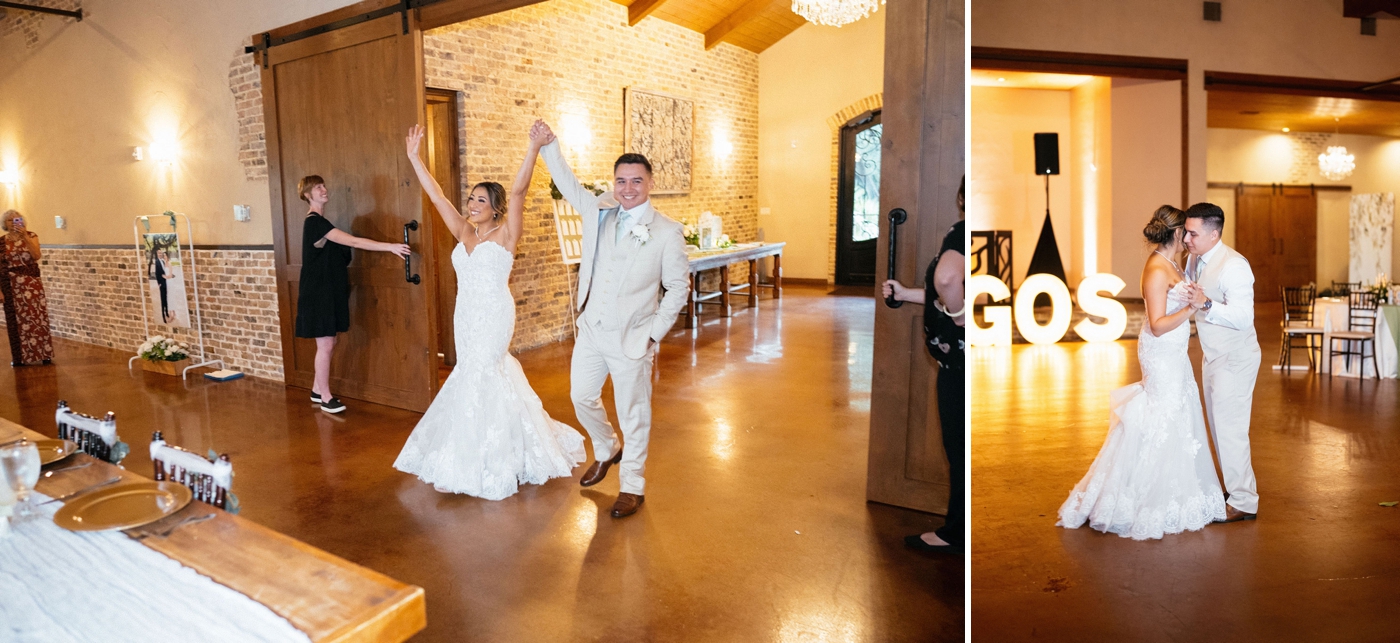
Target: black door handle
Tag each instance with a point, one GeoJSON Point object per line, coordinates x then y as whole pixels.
{"type": "Point", "coordinates": [407, 262]}
{"type": "Point", "coordinates": [897, 218]}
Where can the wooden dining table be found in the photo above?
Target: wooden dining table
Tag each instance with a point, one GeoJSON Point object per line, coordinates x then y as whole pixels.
{"type": "Point", "coordinates": [323, 595]}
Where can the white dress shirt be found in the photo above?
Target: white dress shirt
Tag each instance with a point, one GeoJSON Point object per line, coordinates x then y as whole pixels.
{"type": "Point", "coordinates": [626, 217]}
{"type": "Point", "coordinates": [1236, 311]}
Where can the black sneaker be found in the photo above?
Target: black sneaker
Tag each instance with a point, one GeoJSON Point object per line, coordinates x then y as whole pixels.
{"type": "Point", "coordinates": [315, 397]}
{"type": "Point", "coordinates": [333, 405]}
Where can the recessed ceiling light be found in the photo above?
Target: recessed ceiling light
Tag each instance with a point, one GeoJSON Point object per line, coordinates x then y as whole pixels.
{"type": "Point", "coordinates": [1285, 130]}
{"type": "Point", "coordinates": [1001, 80]}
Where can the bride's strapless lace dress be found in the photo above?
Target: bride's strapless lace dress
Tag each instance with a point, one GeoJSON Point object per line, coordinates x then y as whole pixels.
{"type": "Point", "coordinates": [1154, 474]}
{"type": "Point", "coordinates": [486, 432]}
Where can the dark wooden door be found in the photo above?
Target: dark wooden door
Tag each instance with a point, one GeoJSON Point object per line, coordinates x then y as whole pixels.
{"type": "Point", "coordinates": [921, 167]}
{"type": "Point", "coordinates": [1295, 223]}
{"type": "Point", "coordinates": [338, 105]}
{"type": "Point", "coordinates": [444, 163]}
{"type": "Point", "coordinates": [858, 200]}
{"type": "Point", "coordinates": [1276, 230]}
{"type": "Point", "coordinates": [1255, 238]}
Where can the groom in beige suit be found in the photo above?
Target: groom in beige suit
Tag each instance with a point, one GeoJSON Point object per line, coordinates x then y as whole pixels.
{"type": "Point", "coordinates": [1225, 324]}
{"type": "Point", "coordinates": [633, 281]}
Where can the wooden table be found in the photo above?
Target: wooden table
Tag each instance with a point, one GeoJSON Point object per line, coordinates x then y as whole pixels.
{"type": "Point", "coordinates": [721, 259]}
{"type": "Point", "coordinates": [327, 597]}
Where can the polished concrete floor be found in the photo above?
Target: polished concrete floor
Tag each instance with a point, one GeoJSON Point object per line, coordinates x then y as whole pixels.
{"type": "Point", "coordinates": [755, 526]}
{"type": "Point", "coordinates": [1319, 564]}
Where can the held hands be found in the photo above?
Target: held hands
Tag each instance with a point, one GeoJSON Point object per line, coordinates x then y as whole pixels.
{"type": "Point", "coordinates": [540, 134]}
{"type": "Point", "coordinates": [1198, 295]}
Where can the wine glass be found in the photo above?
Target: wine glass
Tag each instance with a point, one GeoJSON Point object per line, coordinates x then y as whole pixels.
{"type": "Point", "coordinates": [19, 463]}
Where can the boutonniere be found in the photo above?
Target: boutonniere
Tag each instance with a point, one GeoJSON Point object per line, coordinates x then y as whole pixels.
{"type": "Point", "coordinates": [641, 233]}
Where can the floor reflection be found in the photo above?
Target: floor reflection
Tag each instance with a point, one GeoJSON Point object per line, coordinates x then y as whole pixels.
{"type": "Point", "coordinates": [1326, 451]}
{"type": "Point", "coordinates": [760, 431]}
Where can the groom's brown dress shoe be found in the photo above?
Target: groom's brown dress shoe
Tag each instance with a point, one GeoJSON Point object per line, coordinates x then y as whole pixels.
{"type": "Point", "coordinates": [627, 504]}
{"type": "Point", "coordinates": [1235, 515]}
{"type": "Point", "coordinates": [599, 470]}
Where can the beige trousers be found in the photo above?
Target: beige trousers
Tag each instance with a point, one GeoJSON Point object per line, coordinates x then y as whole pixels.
{"type": "Point", "coordinates": [1229, 395]}
{"type": "Point", "coordinates": [598, 354]}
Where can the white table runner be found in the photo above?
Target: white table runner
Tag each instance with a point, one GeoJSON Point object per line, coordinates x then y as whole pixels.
{"type": "Point", "coordinates": [58, 585]}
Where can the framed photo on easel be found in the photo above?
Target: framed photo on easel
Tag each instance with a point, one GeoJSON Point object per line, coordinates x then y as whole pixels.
{"type": "Point", "coordinates": [661, 127]}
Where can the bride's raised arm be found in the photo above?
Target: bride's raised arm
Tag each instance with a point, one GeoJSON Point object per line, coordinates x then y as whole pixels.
{"type": "Point", "coordinates": [515, 206]}
{"type": "Point", "coordinates": [450, 216]}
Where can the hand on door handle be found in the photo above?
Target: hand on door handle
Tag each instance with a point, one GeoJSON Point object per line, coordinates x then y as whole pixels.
{"type": "Point", "coordinates": [897, 218]}
{"type": "Point", "coordinates": [407, 263]}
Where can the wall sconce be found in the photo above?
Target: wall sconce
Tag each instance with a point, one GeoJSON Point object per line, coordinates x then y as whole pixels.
{"type": "Point", "coordinates": [722, 147]}
{"type": "Point", "coordinates": [9, 177]}
{"type": "Point", "coordinates": [573, 131]}
{"type": "Point", "coordinates": [164, 152]}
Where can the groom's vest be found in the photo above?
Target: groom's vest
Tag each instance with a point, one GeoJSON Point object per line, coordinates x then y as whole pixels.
{"type": "Point", "coordinates": [610, 263]}
{"type": "Point", "coordinates": [1217, 340]}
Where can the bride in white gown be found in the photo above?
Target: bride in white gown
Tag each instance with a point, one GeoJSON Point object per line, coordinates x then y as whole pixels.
{"type": "Point", "coordinates": [486, 431]}
{"type": "Point", "coordinates": [1154, 474]}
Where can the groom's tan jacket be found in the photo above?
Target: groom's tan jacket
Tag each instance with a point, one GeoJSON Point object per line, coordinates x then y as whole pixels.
{"type": "Point", "coordinates": [640, 286]}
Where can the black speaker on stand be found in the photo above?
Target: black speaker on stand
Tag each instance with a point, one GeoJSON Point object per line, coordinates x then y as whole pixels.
{"type": "Point", "coordinates": [1046, 258]}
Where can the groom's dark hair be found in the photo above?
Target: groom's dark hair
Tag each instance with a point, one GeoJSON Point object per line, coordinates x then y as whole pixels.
{"type": "Point", "coordinates": [1210, 214]}
{"type": "Point", "coordinates": [633, 158]}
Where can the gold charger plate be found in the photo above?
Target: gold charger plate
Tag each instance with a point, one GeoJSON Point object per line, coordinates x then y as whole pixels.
{"type": "Point", "coordinates": [51, 451]}
{"type": "Point", "coordinates": [123, 506]}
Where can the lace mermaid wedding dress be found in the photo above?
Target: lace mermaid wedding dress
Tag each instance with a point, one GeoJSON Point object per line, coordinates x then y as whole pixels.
{"type": "Point", "coordinates": [1154, 474]}
{"type": "Point", "coordinates": [486, 431]}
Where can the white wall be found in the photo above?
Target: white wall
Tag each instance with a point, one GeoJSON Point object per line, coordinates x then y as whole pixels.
{"type": "Point", "coordinates": [1146, 168]}
{"type": "Point", "coordinates": [1004, 192]}
{"type": "Point", "coordinates": [1307, 38]}
{"type": "Point", "coordinates": [1254, 156]}
{"type": "Point", "coordinates": [133, 70]}
{"type": "Point", "coordinates": [804, 79]}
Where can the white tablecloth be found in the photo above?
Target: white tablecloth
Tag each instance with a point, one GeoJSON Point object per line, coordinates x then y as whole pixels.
{"type": "Point", "coordinates": [1333, 314]}
{"type": "Point", "coordinates": [58, 585]}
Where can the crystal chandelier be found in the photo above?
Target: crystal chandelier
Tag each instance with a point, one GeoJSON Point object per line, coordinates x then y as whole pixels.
{"type": "Point", "coordinates": [835, 13]}
{"type": "Point", "coordinates": [1336, 164]}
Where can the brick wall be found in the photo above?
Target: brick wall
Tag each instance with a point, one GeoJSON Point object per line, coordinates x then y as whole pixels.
{"type": "Point", "coordinates": [561, 57]}
{"type": "Point", "coordinates": [28, 23]}
{"type": "Point", "coordinates": [574, 58]}
{"type": "Point", "coordinates": [94, 297]}
{"type": "Point", "coordinates": [245, 82]}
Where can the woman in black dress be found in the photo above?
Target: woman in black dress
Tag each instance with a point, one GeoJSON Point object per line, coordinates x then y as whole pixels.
{"type": "Point", "coordinates": [323, 301]}
{"type": "Point", "coordinates": [944, 287]}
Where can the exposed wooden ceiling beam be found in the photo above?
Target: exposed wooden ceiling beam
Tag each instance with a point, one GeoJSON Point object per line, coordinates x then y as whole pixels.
{"type": "Point", "coordinates": [1371, 8]}
{"type": "Point", "coordinates": [751, 9]}
{"type": "Point", "coordinates": [641, 9]}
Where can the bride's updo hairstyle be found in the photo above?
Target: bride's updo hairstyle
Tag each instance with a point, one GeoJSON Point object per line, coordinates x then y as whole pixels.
{"type": "Point", "coordinates": [1164, 224]}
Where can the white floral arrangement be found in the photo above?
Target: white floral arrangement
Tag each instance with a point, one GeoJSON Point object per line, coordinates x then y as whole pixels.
{"type": "Point", "coordinates": [163, 349]}
{"type": "Point", "coordinates": [724, 242]}
{"type": "Point", "coordinates": [692, 234]}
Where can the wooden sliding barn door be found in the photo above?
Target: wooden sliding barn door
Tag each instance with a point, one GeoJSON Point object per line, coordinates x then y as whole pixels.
{"type": "Point", "coordinates": [1276, 230]}
{"type": "Point", "coordinates": [338, 104]}
{"type": "Point", "coordinates": [921, 166]}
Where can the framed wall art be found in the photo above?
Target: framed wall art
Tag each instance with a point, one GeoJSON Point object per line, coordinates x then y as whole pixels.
{"type": "Point", "coordinates": [661, 127]}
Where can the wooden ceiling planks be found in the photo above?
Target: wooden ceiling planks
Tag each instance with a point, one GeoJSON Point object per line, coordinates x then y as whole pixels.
{"type": "Point", "coordinates": [1262, 111]}
{"type": "Point", "coordinates": [754, 25]}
